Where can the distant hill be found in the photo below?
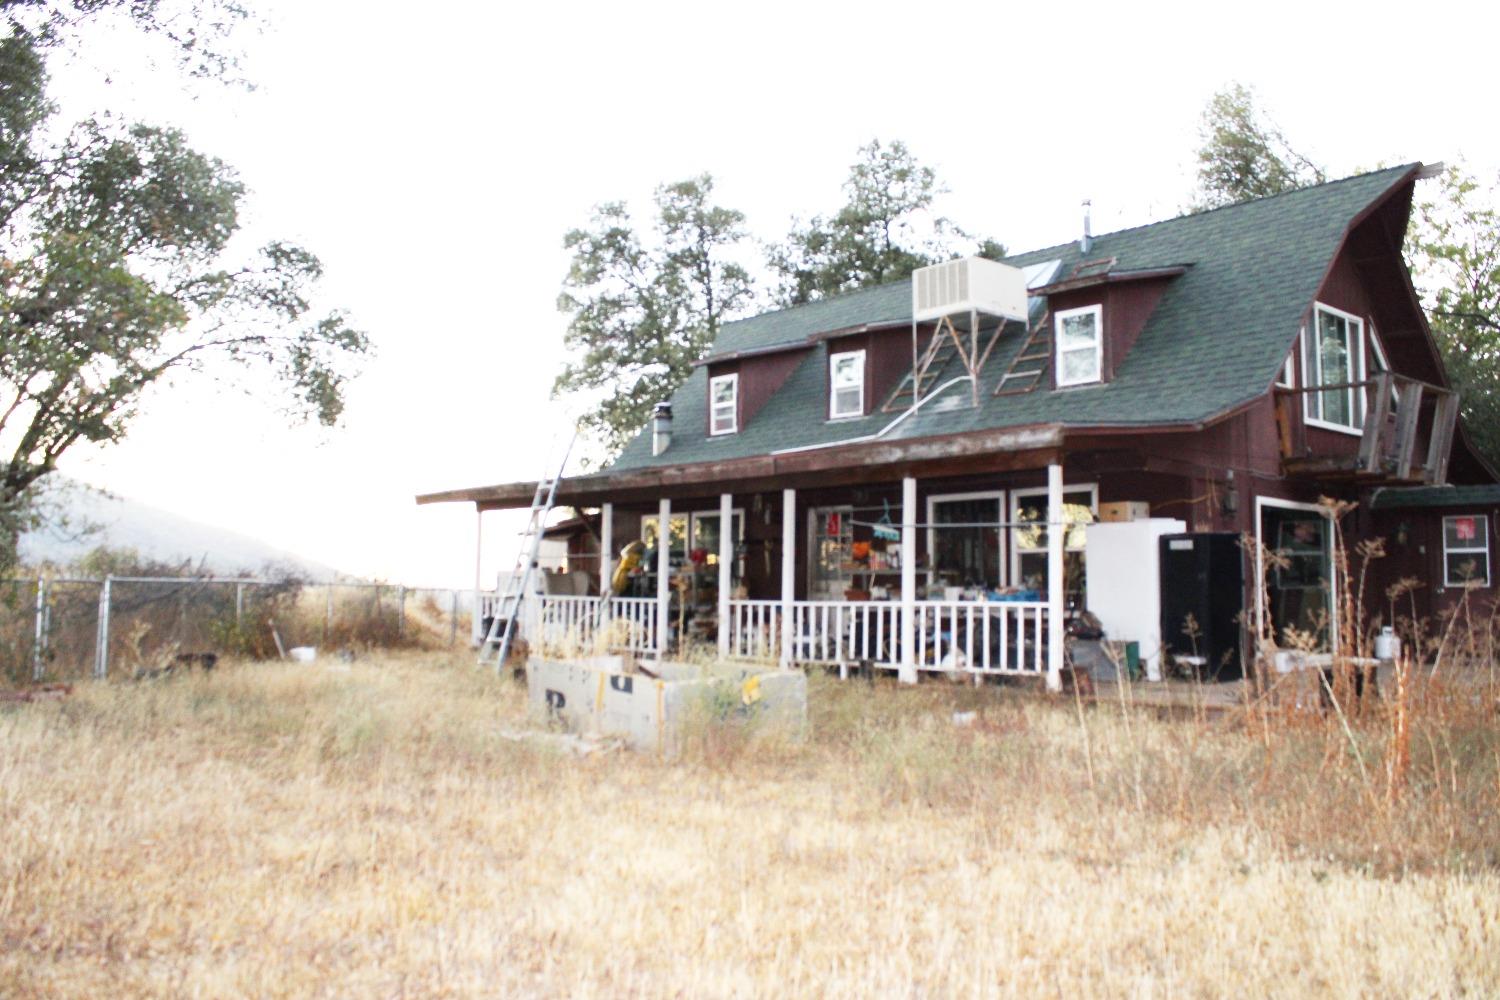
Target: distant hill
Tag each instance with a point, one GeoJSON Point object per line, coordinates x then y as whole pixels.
{"type": "Point", "coordinates": [156, 535]}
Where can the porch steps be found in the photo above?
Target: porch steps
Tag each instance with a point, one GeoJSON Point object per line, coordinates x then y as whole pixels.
{"type": "Point", "coordinates": [1029, 367]}
{"type": "Point", "coordinates": [502, 628]}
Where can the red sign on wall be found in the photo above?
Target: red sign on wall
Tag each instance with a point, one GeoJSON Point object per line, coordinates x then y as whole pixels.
{"type": "Point", "coordinates": [1463, 529]}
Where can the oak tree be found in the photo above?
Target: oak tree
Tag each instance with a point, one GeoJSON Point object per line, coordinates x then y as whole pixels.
{"type": "Point", "coordinates": [643, 306]}
{"type": "Point", "coordinates": [117, 274]}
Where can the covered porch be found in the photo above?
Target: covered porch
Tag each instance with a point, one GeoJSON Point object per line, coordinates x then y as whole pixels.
{"type": "Point", "coordinates": [954, 564]}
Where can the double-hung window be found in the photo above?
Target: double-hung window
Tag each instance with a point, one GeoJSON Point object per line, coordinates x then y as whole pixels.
{"type": "Point", "coordinates": [1466, 551]}
{"type": "Point", "coordinates": [1336, 357]}
{"type": "Point", "coordinates": [1080, 345]}
{"type": "Point", "coordinates": [846, 384]}
{"type": "Point", "coordinates": [723, 404]}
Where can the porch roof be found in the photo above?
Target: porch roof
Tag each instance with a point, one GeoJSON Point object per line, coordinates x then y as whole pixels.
{"type": "Point", "coordinates": [871, 461]}
{"type": "Point", "coordinates": [1485, 495]}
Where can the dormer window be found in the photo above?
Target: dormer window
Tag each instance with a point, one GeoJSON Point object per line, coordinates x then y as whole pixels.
{"type": "Point", "coordinates": [1080, 345]}
{"type": "Point", "coordinates": [724, 404]}
{"type": "Point", "coordinates": [846, 384]}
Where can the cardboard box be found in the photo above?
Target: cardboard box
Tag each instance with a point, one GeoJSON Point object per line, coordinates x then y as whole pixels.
{"type": "Point", "coordinates": [1125, 510]}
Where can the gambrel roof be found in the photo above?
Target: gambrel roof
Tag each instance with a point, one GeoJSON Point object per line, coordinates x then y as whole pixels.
{"type": "Point", "coordinates": [1216, 340]}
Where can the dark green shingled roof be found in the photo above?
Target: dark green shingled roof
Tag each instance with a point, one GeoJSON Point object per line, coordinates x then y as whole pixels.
{"type": "Point", "coordinates": [1216, 339]}
{"type": "Point", "coordinates": [1436, 496]}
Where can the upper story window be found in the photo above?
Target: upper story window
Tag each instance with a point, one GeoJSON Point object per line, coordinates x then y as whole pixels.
{"type": "Point", "coordinates": [846, 384]}
{"type": "Point", "coordinates": [1335, 357]}
{"type": "Point", "coordinates": [724, 404]}
{"type": "Point", "coordinates": [1466, 551]}
{"type": "Point", "coordinates": [1080, 345]}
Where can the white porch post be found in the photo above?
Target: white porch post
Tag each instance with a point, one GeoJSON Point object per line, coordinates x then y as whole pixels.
{"type": "Point", "coordinates": [788, 570]}
{"type": "Point", "coordinates": [606, 547]}
{"type": "Point", "coordinates": [663, 575]}
{"type": "Point", "coordinates": [476, 632]}
{"type": "Point", "coordinates": [726, 555]}
{"type": "Point", "coordinates": [1056, 538]}
{"type": "Point", "coordinates": [906, 673]}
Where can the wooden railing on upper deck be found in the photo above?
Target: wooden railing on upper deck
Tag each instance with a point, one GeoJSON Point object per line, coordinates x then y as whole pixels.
{"type": "Point", "coordinates": [1396, 408]}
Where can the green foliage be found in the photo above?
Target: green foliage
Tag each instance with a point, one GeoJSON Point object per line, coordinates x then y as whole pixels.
{"type": "Point", "coordinates": [883, 232]}
{"type": "Point", "coordinates": [115, 274]}
{"type": "Point", "coordinates": [1244, 155]}
{"type": "Point", "coordinates": [642, 309]}
{"type": "Point", "coordinates": [1454, 251]}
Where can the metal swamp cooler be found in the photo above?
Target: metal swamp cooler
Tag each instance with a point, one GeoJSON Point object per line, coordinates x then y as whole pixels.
{"type": "Point", "coordinates": [1202, 575]}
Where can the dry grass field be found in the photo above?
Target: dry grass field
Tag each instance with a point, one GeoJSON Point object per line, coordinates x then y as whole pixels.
{"type": "Point", "coordinates": [369, 831]}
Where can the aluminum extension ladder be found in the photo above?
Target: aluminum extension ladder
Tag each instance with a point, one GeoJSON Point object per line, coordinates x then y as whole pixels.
{"type": "Point", "coordinates": [503, 625]}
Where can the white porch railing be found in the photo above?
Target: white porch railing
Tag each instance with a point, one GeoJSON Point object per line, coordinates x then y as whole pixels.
{"type": "Point", "coordinates": [565, 621]}
{"type": "Point", "coordinates": [980, 637]}
{"type": "Point", "coordinates": [755, 629]}
{"type": "Point", "coordinates": [989, 637]}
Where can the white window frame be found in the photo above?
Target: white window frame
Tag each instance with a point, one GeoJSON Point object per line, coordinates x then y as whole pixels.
{"type": "Point", "coordinates": [1385, 364]}
{"type": "Point", "coordinates": [1260, 568]}
{"type": "Point", "coordinates": [1097, 312]}
{"type": "Point", "coordinates": [1287, 378]}
{"type": "Point", "coordinates": [996, 495]}
{"type": "Point", "coordinates": [1016, 496]}
{"type": "Point", "coordinates": [834, 387]}
{"type": "Point", "coordinates": [1467, 550]}
{"type": "Point", "coordinates": [714, 427]}
{"type": "Point", "coordinates": [1313, 399]}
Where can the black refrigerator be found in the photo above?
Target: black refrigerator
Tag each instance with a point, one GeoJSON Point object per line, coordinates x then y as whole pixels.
{"type": "Point", "coordinates": [1203, 576]}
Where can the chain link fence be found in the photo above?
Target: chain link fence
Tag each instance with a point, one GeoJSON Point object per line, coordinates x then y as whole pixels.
{"type": "Point", "coordinates": [64, 629]}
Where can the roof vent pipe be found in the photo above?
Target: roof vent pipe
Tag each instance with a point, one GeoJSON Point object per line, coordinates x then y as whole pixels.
{"type": "Point", "coordinates": [661, 428]}
{"type": "Point", "coordinates": [1087, 243]}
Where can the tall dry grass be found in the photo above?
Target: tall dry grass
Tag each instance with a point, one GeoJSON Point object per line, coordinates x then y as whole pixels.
{"type": "Point", "coordinates": [372, 831]}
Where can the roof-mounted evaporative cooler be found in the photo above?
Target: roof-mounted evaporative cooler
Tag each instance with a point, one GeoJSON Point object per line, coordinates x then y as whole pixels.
{"type": "Point", "coordinates": [968, 284]}
{"type": "Point", "coordinates": [958, 295]}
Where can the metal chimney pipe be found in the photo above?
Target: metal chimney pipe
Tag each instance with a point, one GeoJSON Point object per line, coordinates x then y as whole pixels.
{"type": "Point", "coordinates": [661, 428]}
{"type": "Point", "coordinates": [1087, 243]}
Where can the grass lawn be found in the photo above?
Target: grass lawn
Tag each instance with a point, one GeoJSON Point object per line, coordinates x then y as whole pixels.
{"type": "Point", "coordinates": [271, 830]}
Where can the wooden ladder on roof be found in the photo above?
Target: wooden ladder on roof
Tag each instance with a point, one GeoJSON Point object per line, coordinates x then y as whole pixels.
{"type": "Point", "coordinates": [1028, 368]}
{"type": "Point", "coordinates": [935, 356]}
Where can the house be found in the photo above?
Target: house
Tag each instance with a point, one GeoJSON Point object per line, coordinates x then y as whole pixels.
{"type": "Point", "coordinates": [937, 473]}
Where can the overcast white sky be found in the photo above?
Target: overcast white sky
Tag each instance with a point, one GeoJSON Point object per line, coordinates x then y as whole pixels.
{"type": "Point", "coordinates": [433, 155]}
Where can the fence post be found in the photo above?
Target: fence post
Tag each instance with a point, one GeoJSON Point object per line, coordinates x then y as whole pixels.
{"type": "Point", "coordinates": [39, 637]}
{"type": "Point", "coordinates": [401, 611]}
{"type": "Point", "coordinates": [453, 622]}
{"type": "Point", "coordinates": [239, 605]}
{"type": "Point", "coordinates": [101, 642]}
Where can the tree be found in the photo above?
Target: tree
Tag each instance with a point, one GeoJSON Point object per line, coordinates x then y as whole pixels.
{"type": "Point", "coordinates": [197, 31]}
{"type": "Point", "coordinates": [641, 313]}
{"type": "Point", "coordinates": [1244, 155]}
{"type": "Point", "coordinates": [1454, 252]}
{"type": "Point", "coordinates": [116, 275]}
{"type": "Point", "coordinates": [885, 231]}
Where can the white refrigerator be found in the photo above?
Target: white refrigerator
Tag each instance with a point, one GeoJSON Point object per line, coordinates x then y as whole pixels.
{"type": "Point", "coordinates": [1124, 582]}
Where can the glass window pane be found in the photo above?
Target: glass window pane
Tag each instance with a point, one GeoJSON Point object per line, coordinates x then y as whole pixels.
{"type": "Point", "coordinates": [724, 390]}
{"type": "Point", "coordinates": [1465, 532]}
{"type": "Point", "coordinates": [968, 555]}
{"type": "Point", "coordinates": [1467, 567]}
{"type": "Point", "coordinates": [1078, 331]}
{"type": "Point", "coordinates": [1079, 366]}
{"type": "Point", "coordinates": [848, 401]}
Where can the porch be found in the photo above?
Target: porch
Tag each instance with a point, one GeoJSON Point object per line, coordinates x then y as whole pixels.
{"type": "Point", "coordinates": [856, 589]}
